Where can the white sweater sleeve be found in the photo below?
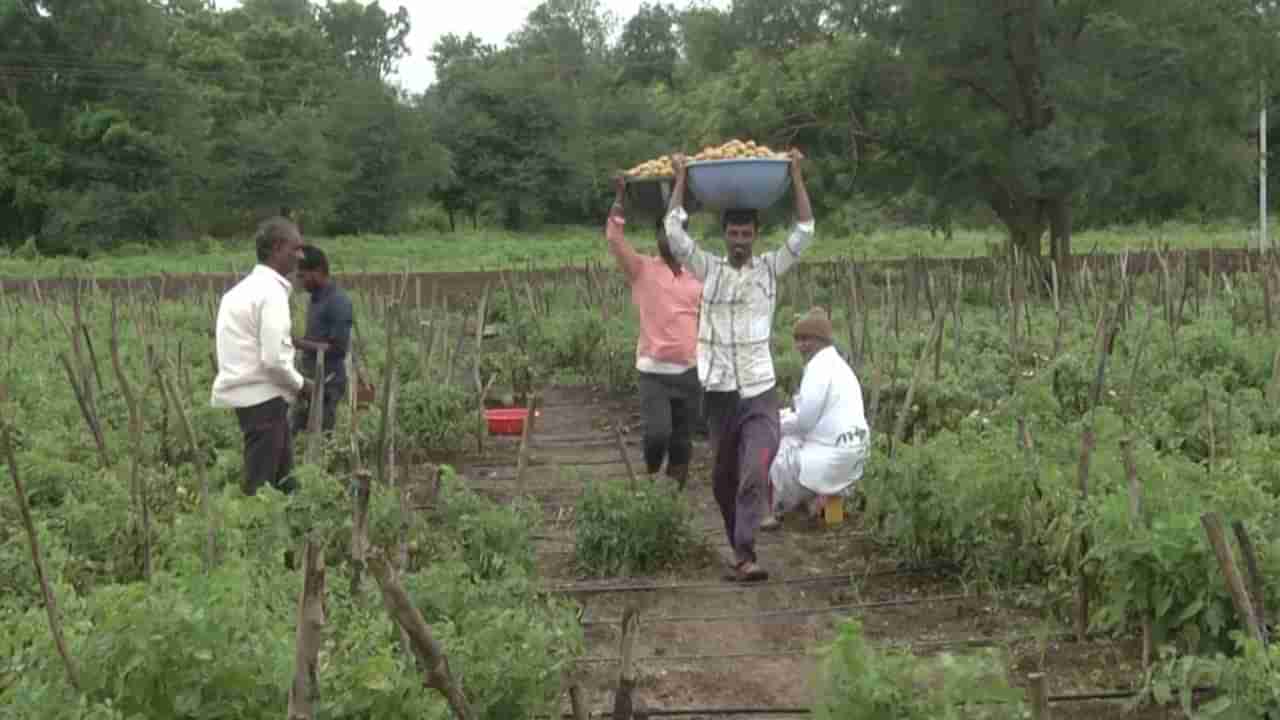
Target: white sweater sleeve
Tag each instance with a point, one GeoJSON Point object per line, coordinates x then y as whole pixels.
{"type": "Point", "coordinates": [276, 343]}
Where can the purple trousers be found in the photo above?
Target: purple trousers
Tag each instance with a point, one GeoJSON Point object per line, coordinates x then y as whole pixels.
{"type": "Point", "coordinates": [745, 435]}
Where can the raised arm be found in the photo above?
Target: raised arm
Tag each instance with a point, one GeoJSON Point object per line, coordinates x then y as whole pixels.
{"type": "Point", "coordinates": [802, 234]}
{"type": "Point", "coordinates": [628, 259]}
{"type": "Point", "coordinates": [685, 250]}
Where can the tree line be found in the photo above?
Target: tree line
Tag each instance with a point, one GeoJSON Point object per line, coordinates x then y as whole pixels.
{"type": "Point", "coordinates": [151, 121]}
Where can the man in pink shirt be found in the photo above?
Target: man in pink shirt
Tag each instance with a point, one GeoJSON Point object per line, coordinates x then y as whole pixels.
{"type": "Point", "coordinates": [667, 299]}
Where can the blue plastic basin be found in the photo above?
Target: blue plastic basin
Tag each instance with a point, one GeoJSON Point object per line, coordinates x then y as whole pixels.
{"type": "Point", "coordinates": [739, 184]}
{"type": "Point", "coordinates": [648, 197]}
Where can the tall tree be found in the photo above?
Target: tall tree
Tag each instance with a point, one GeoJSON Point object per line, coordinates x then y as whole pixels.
{"type": "Point", "coordinates": [568, 36]}
{"type": "Point", "coordinates": [1030, 105]}
{"type": "Point", "coordinates": [649, 46]}
{"type": "Point", "coordinates": [385, 158]}
{"type": "Point", "coordinates": [709, 39]}
{"type": "Point", "coordinates": [368, 39]}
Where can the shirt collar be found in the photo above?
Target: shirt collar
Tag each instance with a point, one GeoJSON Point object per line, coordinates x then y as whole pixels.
{"type": "Point", "coordinates": [822, 352]}
{"type": "Point", "coordinates": [323, 292]}
{"type": "Point", "coordinates": [271, 273]}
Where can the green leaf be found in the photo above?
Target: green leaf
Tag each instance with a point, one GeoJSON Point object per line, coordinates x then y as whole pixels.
{"type": "Point", "coordinates": [1217, 706]}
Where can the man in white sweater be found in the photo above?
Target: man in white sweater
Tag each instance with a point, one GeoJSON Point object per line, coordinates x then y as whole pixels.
{"type": "Point", "coordinates": [826, 438]}
{"type": "Point", "coordinates": [256, 375]}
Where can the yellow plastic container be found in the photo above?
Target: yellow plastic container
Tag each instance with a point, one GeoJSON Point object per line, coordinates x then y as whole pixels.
{"type": "Point", "coordinates": [833, 510]}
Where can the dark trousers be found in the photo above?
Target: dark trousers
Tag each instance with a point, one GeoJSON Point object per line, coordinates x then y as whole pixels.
{"type": "Point", "coordinates": [333, 394]}
{"type": "Point", "coordinates": [669, 406]}
{"type": "Point", "coordinates": [268, 446]}
{"type": "Point", "coordinates": [745, 434]}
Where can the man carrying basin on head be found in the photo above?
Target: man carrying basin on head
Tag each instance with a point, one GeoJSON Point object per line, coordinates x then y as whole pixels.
{"type": "Point", "coordinates": [825, 439]}
{"type": "Point", "coordinates": [735, 363]}
{"type": "Point", "coordinates": [666, 298]}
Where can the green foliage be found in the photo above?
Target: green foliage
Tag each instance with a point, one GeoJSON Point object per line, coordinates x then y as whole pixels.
{"type": "Point", "coordinates": [497, 627]}
{"type": "Point", "coordinates": [495, 541]}
{"type": "Point", "coordinates": [219, 645]}
{"type": "Point", "coordinates": [861, 681]}
{"type": "Point", "coordinates": [433, 416]}
{"type": "Point", "coordinates": [1248, 683]}
{"type": "Point", "coordinates": [227, 665]}
{"type": "Point", "coordinates": [970, 498]}
{"type": "Point", "coordinates": [487, 249]}
{"type": "Point", "coordinates": [138, 121]}
{"type": "Point", "coordinates": [623, 532]}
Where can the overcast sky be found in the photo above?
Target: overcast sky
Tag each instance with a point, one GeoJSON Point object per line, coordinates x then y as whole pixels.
{"type": "Point", "coordinates": [491, 20]}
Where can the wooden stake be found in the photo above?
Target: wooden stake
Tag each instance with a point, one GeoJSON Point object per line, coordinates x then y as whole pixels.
{"type": "Point", "coordinates": [305, 690]}
{"type": "Point", "coordinates": [900, 424]}
{"type": "Point", "coordinates": [1057, 311]}
{"type": "Point", "coordinates": [937, 347]}
{"type": "Point", "coordinates": [1137, 520]}
{"type": "Point", "coordinates": [359, 529]}
{"type": "Point", "coordinates": [427, 335]}
{"type": "Point", "coordinates": [1039, 687]}
{"type": "Point", "coordinates": [576, 702]}
{"type": "Point", "coordinates": [481, 313]}
{"type": "Point", "coordinates": [1213, 435]}
{"type": "Point", "coordinates": [1235, 583]}
{"type": "Point", "coordinates": [623, 703]}
{"type": "Point", "coordinates": [865, 352]}
{"type": "Point", "coordinates": [1257, 588]}
{"type": "Point", "coordinates": [1265, 271]}
{"type": "Point", "coordinates": [425, 647]}
{"type": "Point", "coordinates": [481, 426]}
{"type": "Point", "coordinates": [136, 483]}
{"type": "Point", "coordinates": [388, 375]}
{"type": "Point", "coordinates": [50, 600]}
{"type": "Point", "coordinates": [93, 355]}
{"type": "Point", "coordinates": [522, 459]}
{"type": "Point", "coordinates": [315, 416]}
{"type": "Point", "coordinates": [1082, 585]}
{"type": "Point", "coordinates": [90, 418]}
{"type": "Point", "coordinates": [202, 474]}
{"type": "Point", "coordinates": [855, 355]}
{"type": "Point", "coordinates": [626, 459]}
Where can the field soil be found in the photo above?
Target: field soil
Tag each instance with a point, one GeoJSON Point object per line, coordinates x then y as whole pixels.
{"type": "Point", "coordinates": [705, 643]}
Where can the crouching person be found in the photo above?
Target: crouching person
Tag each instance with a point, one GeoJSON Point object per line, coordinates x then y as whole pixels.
{"type": "Point", "coordinates": [825, 439]}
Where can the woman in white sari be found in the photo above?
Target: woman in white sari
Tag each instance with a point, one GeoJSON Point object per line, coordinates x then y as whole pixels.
{"type": "Point", "coordinates": [825, 438]}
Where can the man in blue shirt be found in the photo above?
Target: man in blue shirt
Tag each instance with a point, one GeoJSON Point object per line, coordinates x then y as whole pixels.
{"type": "Point", "coordinates": [329, 319]}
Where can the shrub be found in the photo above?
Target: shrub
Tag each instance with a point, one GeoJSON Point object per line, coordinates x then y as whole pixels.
{"type": "Point", "coordinates": [1248, 684]}
{"type": "Point", "coordinates": [863, 682]}
{"type": "Point", "coordinates": [435, 417]}
{"type": "Point", "coordinates": [625, 532]}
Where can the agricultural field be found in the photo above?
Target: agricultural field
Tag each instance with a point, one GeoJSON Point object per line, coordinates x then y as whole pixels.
{"type": "Point", "coordinates": [478, 250]}
{"type": "Point", "coordinates": [1048, 454]}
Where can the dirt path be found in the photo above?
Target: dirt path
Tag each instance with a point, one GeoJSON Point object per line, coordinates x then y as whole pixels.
{"type": "Point", "coordinates": [706, 643]}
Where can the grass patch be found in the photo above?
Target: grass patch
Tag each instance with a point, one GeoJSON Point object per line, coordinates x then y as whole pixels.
{"type": "Point", "coordinates": [474, 250]}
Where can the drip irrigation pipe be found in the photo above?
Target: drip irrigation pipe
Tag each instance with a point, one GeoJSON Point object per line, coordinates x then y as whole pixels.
{"type": "Point", "coordinates": [673, 619]}
{"type": "Point", "coordinates": [599, 589]}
